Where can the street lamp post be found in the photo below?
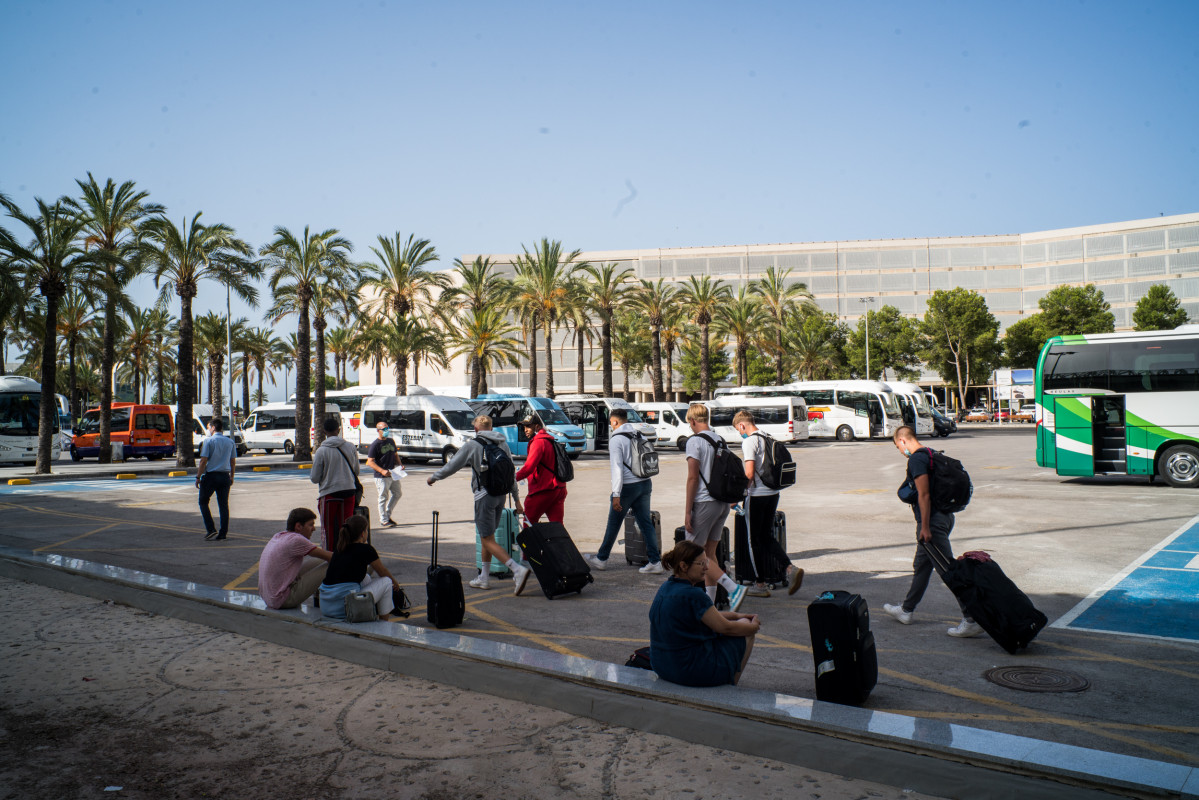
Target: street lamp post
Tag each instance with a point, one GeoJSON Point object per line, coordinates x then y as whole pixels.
{"type": "Point", "coordinates": [864, 301]}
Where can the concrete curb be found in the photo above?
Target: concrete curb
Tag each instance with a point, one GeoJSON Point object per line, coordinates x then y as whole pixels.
{"type": "Point", "coordinates": [928, 756]}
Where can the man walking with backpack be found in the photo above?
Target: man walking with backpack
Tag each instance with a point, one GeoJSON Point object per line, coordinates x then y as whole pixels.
{"type": "Point", "coordinates": [763, 470]}
{"type": "Point", "coordinates": [547, 494]}
{"type": "Point", "coordinates": [492, 481]}
{"type": "Point", "coordinates": [933, 527]}
{"type": "Point", "coordinates": [704, 515]}
{"type": "Point", "coordinates": [632, 470]}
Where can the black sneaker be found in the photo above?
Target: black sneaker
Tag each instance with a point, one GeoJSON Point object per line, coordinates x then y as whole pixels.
{"type": "Point", "coordinates": [390, 523]}
{"type": "Point", "coordinates": [210, 536]}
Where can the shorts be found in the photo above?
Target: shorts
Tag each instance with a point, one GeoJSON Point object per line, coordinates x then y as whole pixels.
{"type": "Point", "coordinates": [488, 510]}
{"type": "Point", "coordinates": [707, 521]}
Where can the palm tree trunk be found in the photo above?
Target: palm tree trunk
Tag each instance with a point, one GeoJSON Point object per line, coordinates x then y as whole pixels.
{"type": "Point", "coordinates": [183, 436]}
{"type": "Point", "coordinates": [415, 368]}
{"type": "Point", "coordinates": [318, 391]}
{"type": "Point", "coordinates": [624, 367]}
{"type": "Point", "coordinates": [260, 377]}
{"type": "Point", "coordinates": [214, 384]}
{"type": "Point", "coordinates": [579, 363]}
{"type": "Point", "coordinates": [303, 444]}
{"type": "Point", "coordinates": [3, 352]}
{"type": "Point", "coordinates": [549, 363]}
{"type": "Point", "coordinates": [778, 356]}
{"type": "Point", "coordinates": [670, 373]}
{"type": "Point", "coordinates": [245, 384]}
{"type": "Point", "coordinates": [656, 373]}
{"type": "Point", "coordinates": [606, 354]}
{"type": "Point", "coordinates": [107, 360]}
{"type": "Point", "coordinates": [533, 325]}
{"type": "Point", "coordinates": [49, 407]}
{"type": "Point", "coordinates": [476, 375]}
{"type": "Point", "coordinates": [378, 370]}
{"type": "Point", "coordinates": [73, 379]}
{"type": "Point", "coordinates": [705, 369]}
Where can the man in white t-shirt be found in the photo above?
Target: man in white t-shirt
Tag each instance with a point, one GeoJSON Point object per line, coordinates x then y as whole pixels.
{"type": "Point", "coordinates": [704, 517]}
{"type": "Point", "coordinates": [284, 579]}
{"type": "Point", "coordinates": [760, 505]}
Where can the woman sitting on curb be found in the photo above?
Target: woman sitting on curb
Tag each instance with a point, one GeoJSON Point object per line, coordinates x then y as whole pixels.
{"type": "Point", "coordinates": [347, 572]}
{"type": "Point", "coordinates": [691, 643]}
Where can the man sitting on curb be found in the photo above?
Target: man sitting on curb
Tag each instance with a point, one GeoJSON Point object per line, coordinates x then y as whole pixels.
{"type": "Point", "coordinates": [284, 579]}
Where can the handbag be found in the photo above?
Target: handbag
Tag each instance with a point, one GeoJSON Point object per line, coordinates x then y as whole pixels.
{"type": "Point", "coordinates": [360, 607]}
{"type": "Point", "coordinates": [401, 603]}
{"type": "Point", "coordinates": [354, 474]}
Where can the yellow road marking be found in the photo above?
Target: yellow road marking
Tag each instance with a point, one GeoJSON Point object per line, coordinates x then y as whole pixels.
{"type": "Point", "coordinates": [73, 538]}
{"type": "Point", "coordinates": [1008, 467]}
{"type": "Point", "coordinates": [1136, 662]}
{"type": "Point", "coordinates": [532, 637]}
{"type": "Point", "coordinates": [19, 482]}
{"type": "Point", "coordinates": [235, 584]}
{"type": "Point", "coordinates": [865, 491]}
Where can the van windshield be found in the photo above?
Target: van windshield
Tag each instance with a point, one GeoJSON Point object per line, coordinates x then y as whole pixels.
{"type": "Point", "coordinates": [550, 415]}
{"type": "Point", "coordinates": [91, 421]}
{"type": "Point", "coordinates": [633, 415]}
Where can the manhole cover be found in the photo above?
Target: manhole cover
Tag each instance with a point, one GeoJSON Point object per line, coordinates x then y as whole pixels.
{"type": "Point", "coordinates": [1036, 679]}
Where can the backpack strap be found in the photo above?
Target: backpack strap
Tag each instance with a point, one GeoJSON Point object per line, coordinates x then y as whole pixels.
{"type": "Point", "coordinates": [716, 445]}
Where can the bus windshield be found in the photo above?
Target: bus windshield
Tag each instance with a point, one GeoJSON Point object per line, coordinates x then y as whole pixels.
{"type": "Point", "coordinates": [549, 414]}
{"type": "Point", "coordinates": [19, 414]}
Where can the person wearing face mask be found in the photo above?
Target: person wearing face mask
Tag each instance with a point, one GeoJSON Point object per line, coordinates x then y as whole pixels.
{"type": "Point", "coordinates": [381, 457]}
{"type": "Point", "coordinates": [932, 530]}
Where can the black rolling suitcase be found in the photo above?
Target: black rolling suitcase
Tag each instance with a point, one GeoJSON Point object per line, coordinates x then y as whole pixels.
{"type": "Point", "coordinates": [722, 558]}
{"type": "Point", "coordinates": [446, 603]}
{"type": "Point", "coordinates": [557, 563]}
{"type": "Point", "coordinates": [774, 572]}
{"type": "Point", "coordinates": [634, 542]}
{"type": "Point", "coordinates": [991, 598]}
{"type": "Point", "coordinates": [843, 648]}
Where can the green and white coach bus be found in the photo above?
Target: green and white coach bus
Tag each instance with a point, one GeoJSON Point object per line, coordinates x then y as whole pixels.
{"type": "Point", "coordinates": [1121, 403]}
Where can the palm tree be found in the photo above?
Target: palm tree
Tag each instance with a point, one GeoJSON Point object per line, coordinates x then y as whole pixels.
{"type": "Point", "coordinates": [630, 346]}
{"type": "Point", "coordinates": [299, 265]}
{"type": "Point", "coordinates": [54, 261]}
{"type": "Point", "coordinates": [485, 337]}
{"type": "Point", "coordinates": [260, 343]}
{"type": "Point", "coordinates": [481, 287]}
{"type": "Point", "coordinates": [340, 343]}
{"type": "Point", "coordinates": [654, 301]}
{"type": "Point", "coordinates": [702, 297]}
{"type": "Point", "coordinates": [136, 345]}
{"type": "Point", "coordinates": [112, 216]}
{"type": "Point", "coordinates": [543, 293]}
{"type": "Point", "coordinates": [607, 289]}
{"type": "Point", "coordinates": [76, 319]}
{"type": "Point", "coordinates": [674, 329]}
{"type": "Point", "coordinates": [179, 258]}
{"type": "Point", "coordinates": [210, 346]}
{"type": "Point", "coordinates": [578, 315]}
{"type": "Point", "coordinates": [401, 281]}
{"type": "Point", "coordinates": [742, 319]}
{"type": "Point", "coordinates": [779, 299]}
{"type": "Point", "coordinates": [811, 351]}
{"type": "Point", "coordinates": [283, 356]}
{"type": "Point", "coordinates": [370, 344]}
{"type": "Point", "coordinates": [165, 372]}
{"type": "Point", "coordinates": [429, 350]}
{"type": "Point", "coordinates": [16, 299]}
{"type": "Point", "coordinates": [405, 337]}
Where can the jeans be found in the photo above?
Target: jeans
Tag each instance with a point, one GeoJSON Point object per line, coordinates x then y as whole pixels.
{"type": "Point", "coordinates": [634, 498]}
{"type": "Point", "coordinates": [389, 492]}
{"type": "Point", "coordinates": [940, 526]}
{"type": "Point", "coordinates": [218, 483]}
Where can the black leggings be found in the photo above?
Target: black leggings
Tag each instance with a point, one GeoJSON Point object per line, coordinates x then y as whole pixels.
{"type": "Point", "coordinates": [763, 547]}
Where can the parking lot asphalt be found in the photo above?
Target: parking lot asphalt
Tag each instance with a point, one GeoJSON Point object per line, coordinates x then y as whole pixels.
{"type": "Point", "coordinates": [1061, 539]}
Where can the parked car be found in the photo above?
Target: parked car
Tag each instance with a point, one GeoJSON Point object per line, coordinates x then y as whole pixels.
{"type": "Point", "coordinates": [1003, 415]}
{"type": "Point", "coordinates": [943, 425]}
{"type": "Point", "coordinates": [1027, 413]}
{"type": "Point", "coordinates": [977, 414]}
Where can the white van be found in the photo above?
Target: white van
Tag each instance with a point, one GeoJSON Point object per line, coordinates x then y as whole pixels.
{"type": "Point", "coordinates": [201, 414]}
{"type": "Point", "coordinates": [850, 409]}
{"type": "Point", "coordinates": [669, 421]}
{"type": "Point", "coordinates": [423, 425]}
{"type": "Point", "coordinates": [784, 419]}
{"type": "Point", "coordinates": [590, 412]}
{"type": "Point", "coordinates": [273, 427]}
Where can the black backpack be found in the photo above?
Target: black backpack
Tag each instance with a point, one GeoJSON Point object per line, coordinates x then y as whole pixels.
{"type": "Point", "coordinates": [644, 458]}
{"type": "Point", "coordinates": [778, 468]}
{"type": "Point", "coordinates": [564, 471]}
{"type": "Point", "coordinates": [726, 482]}
{"type": "Point", "coordinates": [950, 488]}
{"type": "Point", "coordinates": [498, 475]}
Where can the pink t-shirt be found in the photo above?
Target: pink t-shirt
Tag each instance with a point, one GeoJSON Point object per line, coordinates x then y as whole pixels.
{"type": "Point", "coordinates": [280, 564]}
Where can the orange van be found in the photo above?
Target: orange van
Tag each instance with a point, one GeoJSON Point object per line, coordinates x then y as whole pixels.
{"type": "Point", "coordinates": [143, 430]}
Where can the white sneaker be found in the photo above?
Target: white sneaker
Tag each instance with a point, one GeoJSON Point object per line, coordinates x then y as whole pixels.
{"type": "Point", "coordinates": [901, 616]}
{"type": "Point", "coordinates": [735, 598]}
{"type": "Point", "coordinates": [480, 583]}
{"type": "Point", "coordinates": [520, 577]}
{"type": "Point", "coordinates": [965, 629]}
{"type": "Point", "coordinates": [596, 562]}
{"type": "Point", "coordinates": [654, 568]}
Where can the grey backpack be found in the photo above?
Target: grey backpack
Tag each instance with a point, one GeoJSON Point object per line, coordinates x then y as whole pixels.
{"type": "Point", "coordinates": [360, 607]}
{"type": "Point", "coordinates": [643, 460]}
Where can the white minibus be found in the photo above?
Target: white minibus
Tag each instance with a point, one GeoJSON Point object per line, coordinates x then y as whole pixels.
{"type": "Point", "coordinates": [272, 427]}
{"type": "Point", "coordinates": [913, 404]}
{"type": "Point", "coordinates": [850, 409]}
{"type": "Point", "coordinates": [669, 421]}
{"type": "Point", "coordinates": [423, 425]}
{"type": "Point", "coordinates": [782, 418]}
{"type": "Point", "coordinates": [590, 412]}
{"type": "Point", "coordinates": [20, 409]}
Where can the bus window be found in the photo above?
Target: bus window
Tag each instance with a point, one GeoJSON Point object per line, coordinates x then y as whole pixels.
{"type": "Point", "coordinates": [721, 416]}
{"type": "Point", "coordinates": [1155, 366]}
{"type": "Point", "coordinates": [19, 414]}
{"type": "Point", "coordinates": [1076, 367]}
{"type": "Point", "coordinates": [858, 401]}
{"type": "Point", "coordinates": [152, 422]}
{"type": "Point", "coordinates": [771, 415]}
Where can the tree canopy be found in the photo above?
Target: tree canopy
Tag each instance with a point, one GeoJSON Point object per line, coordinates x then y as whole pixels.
{"type": "Point", "coordinates": [961, 337]}
{"type": "Point", "coordinates": [1159, 310]}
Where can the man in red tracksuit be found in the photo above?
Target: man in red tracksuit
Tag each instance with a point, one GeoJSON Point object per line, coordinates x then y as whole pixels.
{"type": "Point", "coordinates": [546, 495]}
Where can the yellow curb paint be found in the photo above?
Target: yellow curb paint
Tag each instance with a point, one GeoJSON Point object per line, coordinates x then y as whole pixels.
{"type": "Point", "coordinates": [262, 469]}
{"type": "Point", "coordinates": [177, 473]}
{"type": "Point", "coordinates": [19, 482]}
{"type": "Point", "coordinates": [125, 476]}
{"type": "Point", "coordinates": [304, 466]}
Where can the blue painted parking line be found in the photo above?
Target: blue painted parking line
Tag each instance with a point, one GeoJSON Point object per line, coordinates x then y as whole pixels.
{"type": "Point", "coordinates": [1157, 596]}
{"type": "Point", "coordinates": [187, 482]}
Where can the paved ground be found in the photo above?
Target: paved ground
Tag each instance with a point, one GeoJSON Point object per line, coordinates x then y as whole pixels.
{"type": "Point", "coordinates": [1060, 539]}
{"type": "Point", "coordinates": [105, 701]}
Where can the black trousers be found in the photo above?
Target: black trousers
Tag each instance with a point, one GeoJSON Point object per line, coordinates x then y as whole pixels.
{"type": "Point", "coordinates": [759, 519]}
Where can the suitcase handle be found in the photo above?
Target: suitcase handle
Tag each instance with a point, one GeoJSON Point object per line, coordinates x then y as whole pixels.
{"type": "Point", "coordinates": [436, 525]}
{"type": "Point", "coordinates": [938, 558]}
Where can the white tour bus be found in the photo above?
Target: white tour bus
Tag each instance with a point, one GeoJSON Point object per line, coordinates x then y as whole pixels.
{"type": "Point", "coordinates": [350, 402]}
{"type": "Point", "coordinates": [782, 418]}
{"type": "Point", "coordinates": [849, 409]}
{"type": "Point", "coordinates": [669, 421]}
{"type": "Point", "coordinates": [590, 412]}
{"type": "Point", "coordinates": [423, 425]}
{"type": "Point", "coordinates": [913, 404]}
{"type": "Point", "coordinates": [20, 402]}
{"type": "Point", "coordinates": [272, 427]}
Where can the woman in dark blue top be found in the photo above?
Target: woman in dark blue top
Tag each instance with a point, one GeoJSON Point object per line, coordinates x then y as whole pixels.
{"type": "Point", "coordinates": [691, 643]}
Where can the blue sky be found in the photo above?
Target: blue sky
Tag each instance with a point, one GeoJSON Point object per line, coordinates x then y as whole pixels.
{"type": "Point", "coordinates": [482, 126]}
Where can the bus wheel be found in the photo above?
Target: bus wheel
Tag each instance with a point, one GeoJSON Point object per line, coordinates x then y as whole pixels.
{"type": "Point", "coordinates": [682, 443]}
{"type": "Point", "coordinates": [1179, 466]}
{"type": "Point", "coordinates": [75, 455]}
{"type": "Point", "coordinates": [845, 434]}
{"type": "Point", "coordinates": [288, 447]}
{"type": "Point", "coordinates": [447, 454]}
